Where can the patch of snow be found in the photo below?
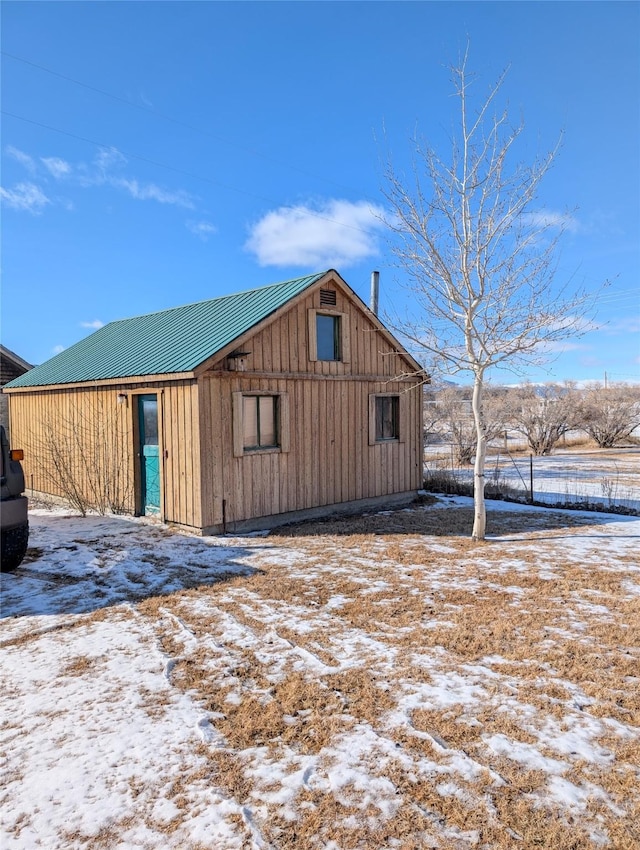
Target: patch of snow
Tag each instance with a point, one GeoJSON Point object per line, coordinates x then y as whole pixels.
{"type": "Point", "coordinates": [97, 733]}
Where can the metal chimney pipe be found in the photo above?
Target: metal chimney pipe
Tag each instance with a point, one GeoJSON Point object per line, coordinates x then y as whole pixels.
{"type": "Point", "coordinates": [375, 290]}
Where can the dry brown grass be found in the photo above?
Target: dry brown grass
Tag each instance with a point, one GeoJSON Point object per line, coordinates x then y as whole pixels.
{"type": "Point", "coordinates": [551, 644]}
{"type": "Point", "coordinates": [82, 665]}
{"type": "Point", "coordinates": [448, 521]}
{"type": "Point", "coordinates": [363, 635]}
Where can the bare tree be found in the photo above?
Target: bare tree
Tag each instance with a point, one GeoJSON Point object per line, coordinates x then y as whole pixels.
{"type": "Point", "coordinates": [431, 414]}
{"type": "Point", "coordinates": [543, 414]}
{"type": "Point", "coordinates": [457, 421]}
{"type": "Point", "coordinates": [479, 259]}
{"type": "Point", "coordinates": [610, 414]}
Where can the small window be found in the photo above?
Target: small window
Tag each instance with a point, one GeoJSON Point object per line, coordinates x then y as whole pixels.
{"type": "Point", "coordinates": [384, 418]}
{"type": "Point", "coordinates": [328, 337]}
{"type": "Point", "coordinates": [259, 421]}
{"type": "Point", "coordinates": [388, 417]}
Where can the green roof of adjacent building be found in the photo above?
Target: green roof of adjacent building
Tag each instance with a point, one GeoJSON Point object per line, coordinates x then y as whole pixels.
{"type": "Point", "coordinates": [170, 341]}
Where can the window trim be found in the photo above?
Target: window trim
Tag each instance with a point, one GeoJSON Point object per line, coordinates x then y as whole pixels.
{"type": "Point", "coordinates": [373, 438]}
{"type": "Point", "coordinates": [283, 423]}
{"type": "Point", "coordinates": [261, 430]}
{"type": "Point", "coordinates": [343, 329]}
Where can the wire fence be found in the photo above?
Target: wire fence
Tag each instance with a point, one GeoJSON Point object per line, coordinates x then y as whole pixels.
{"type": "Point", "coordinates": [607, 480]}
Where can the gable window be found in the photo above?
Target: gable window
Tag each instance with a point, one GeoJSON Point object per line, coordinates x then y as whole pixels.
{"type": "Point", "coordinates": [327, 337]}
{"type": "Point", "coordinates": [384, 418]}
{"type": "Point", "coordinates": [260, 422]}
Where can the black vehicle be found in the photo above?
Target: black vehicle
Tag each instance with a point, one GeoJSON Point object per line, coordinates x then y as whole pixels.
{"type": "Point", "coordinates": [14, 522]}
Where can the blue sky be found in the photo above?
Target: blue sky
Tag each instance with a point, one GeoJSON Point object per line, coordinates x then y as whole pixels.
{"type": "Point", "coordinates": [158, 153]}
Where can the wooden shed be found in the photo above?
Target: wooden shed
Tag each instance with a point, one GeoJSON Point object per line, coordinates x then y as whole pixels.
{"type": "Point", "coordinates": [242, 412]}
{"type": "Point", "coordinates": [11, 366]}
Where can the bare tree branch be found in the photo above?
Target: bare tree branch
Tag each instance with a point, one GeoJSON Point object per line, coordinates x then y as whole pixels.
{"type": "Point", "coordinates": [480, 264]}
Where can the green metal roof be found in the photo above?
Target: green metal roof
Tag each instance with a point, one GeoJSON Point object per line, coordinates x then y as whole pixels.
{"type": "Point", "coordinates": [175, 340]}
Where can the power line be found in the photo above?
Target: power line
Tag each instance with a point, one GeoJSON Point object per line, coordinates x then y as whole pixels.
{"type": "Point", "coordinates": [150, 110]}
{"type": "Point", "coordinates": [615, 294]}
{"type": "Point", "coordinates": [182, 171]}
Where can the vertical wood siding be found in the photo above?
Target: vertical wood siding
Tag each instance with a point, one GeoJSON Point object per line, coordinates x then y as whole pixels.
{"type": "Point", "coordinates": [93, 436]}
{"type": "Point", "coordinates": [329, 460]}
{"type": "Point", "coordinates": [283, 347]}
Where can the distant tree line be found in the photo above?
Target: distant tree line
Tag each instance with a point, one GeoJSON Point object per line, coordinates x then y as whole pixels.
{"type": "Point", "coordinates": [540, 414]}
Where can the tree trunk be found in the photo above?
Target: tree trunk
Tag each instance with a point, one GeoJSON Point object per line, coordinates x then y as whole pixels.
{"type": "Point", "coordinates": [479, 509]}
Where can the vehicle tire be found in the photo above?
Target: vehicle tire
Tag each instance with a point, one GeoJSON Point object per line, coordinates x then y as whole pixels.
{"type": "Point", "coordinates": [14, 547]}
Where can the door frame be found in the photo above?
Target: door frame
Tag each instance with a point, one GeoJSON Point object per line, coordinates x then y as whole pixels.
{"type": "Point", "coordinates": [137, 465]}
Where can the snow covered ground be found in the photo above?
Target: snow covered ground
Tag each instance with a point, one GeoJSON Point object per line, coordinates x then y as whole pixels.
{"type": "Point", "coordinates": [381, 683]}
{"type": "Point", "coordinates": [607, 478]}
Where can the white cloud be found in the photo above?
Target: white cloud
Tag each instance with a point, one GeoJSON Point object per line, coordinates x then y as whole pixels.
{"type": "Point", "coordinates": [151, 192]}
{"type": "Point", "coordinates": [26, 197]}
{"type": "Point", "coordinates": [95, 325]}
{"type": "Point", "coordinates": [575, 324]}
{"type": "Point", "coordinates": [564, 346]}
{"type": "Point", "coordinates": [96, 173]}
{"type": "Point", "coordinates": [57, 349]}
{"type": "Point", "coordinates": [552, 219]}
{"type": "Point", "coordinates": [202, 229]}
{"type": "Point", "coordinates": [109, 158]}
{"type": "Point", "coordinates": [56, 166]}
{"type": "Point", "coordinates": [100, 172]}
{"type": "Point", "coordinates": [21, 157]}
{"type": "Point", "coordinates": [627, 325]}
{"type": "Point", "coordinates": [335, 233]}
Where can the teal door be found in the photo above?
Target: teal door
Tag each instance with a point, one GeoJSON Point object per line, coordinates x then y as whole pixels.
{"type": "Point", "coordinates": [149, 454]}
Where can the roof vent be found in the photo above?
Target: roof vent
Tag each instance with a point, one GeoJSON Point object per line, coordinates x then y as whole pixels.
{"type": "Point", "coordinates": [328, 298]}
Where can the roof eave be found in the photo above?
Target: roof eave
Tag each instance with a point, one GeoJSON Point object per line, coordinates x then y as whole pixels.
{"type": "Point", "coordinates": [168, 377]}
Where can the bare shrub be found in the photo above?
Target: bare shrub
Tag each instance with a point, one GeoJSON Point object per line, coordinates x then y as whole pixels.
{"type": "Point", "coordinates": [81, 451]}
{"type": "Point", "coordinates": [610, 414]}
{"type": "Point", "coordinates": [443, 481]}
{"type": "Point", "coordinates": [455, 419]}
{"type": "Point", "coordinates": [543, 414]}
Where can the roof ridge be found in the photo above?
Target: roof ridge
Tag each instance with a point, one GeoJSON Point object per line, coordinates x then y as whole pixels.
{"type": "Point", "coordinates": [219, 298]}
{"type": "Point", "coordinates": [174, 340]}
